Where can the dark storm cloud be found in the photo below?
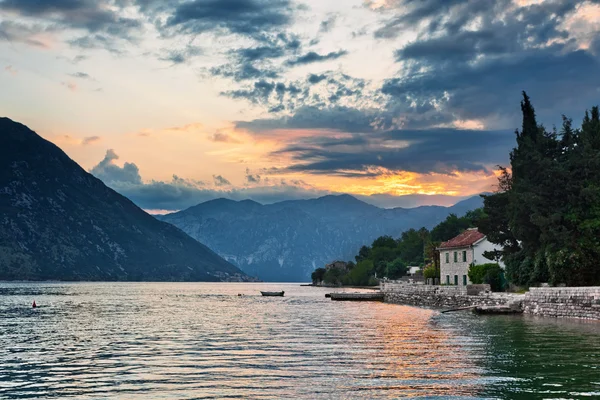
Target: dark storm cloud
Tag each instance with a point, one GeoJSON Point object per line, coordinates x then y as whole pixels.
{"type": "Point", "coordinates": [316, 91]}
{"type": "Point", "coordinates": [243, 72]}
{"type": "Point", "coordinates": [558, 83]}
{"type": "Point", "coordinates": [313, 57]}
{"type": "Point", "coordinates": [477, 70]}
{"type": "Point", "coordinates": [244, 17]}
{"type": "Point", "coordinates": [314, 78]}
{"type": "Point", "coordinates": [266, 93]}
{"type": "Point", "coordinates": [91, 15]}
{"type": "Point", "coordinates": [422, 151]}
{"type": "Point", "coordinates": [339, 118]}
{"type": "Point", "coordinates": [252, 63]}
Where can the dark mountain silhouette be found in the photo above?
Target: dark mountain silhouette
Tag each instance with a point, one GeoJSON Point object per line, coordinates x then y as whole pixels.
{"type": "Point", "coordinates": [286, 241]}
{"type": "Point", "coordinates": [58, 222]}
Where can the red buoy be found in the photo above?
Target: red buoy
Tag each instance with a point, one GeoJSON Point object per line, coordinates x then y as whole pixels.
{"type": "Point", "coordinates": [33, 305]}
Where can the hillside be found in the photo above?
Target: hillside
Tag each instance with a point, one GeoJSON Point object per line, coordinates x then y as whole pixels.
{"type": "Point", "coordinates": [286, 241]}
{"type": "Point", "coordinates": [58, 222]}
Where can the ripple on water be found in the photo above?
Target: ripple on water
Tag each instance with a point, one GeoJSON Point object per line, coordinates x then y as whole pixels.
{"type": "Point", "coordinates": [202, 341]}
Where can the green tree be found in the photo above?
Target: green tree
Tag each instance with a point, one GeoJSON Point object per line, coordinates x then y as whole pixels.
{"type": "Point", "coordinates": [333, 276]}
{"type": "Point", "coordinates": [396, 269]}
{"type": "Point", "coordinates": [411, 246]}
{"type": "Point", "coordinates": [380, 256]}
{"type": "Point", "coordinates": [490, 273]}
{"type": "Point", "coordinates": [318, 275]}
{"type": "Point", "coordinates": [384, 241]}
{"type": "Point", "coordinates": [363, 254]}
{"type": "Point", "coordinates": [361, 274]}
{"type": "Point", "coordinates": [546, 213]}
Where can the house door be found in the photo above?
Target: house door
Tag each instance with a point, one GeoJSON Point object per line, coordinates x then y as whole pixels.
{"type": "Point", "coordinates": [456, 280]}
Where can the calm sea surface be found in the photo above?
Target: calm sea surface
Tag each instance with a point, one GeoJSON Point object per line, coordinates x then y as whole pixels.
{"type": "Point", "coordinates": [181, 341]}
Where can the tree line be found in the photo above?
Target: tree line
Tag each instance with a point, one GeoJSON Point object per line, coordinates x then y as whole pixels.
{"type": "Point", "coordinates": [544, 215]}
{"type": "Point", "coordinates": [390, 258]}
{"type": "Point", "coordinates": [546, 212]}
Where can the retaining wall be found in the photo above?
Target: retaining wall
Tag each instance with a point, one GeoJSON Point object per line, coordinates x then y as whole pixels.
{"type": "Point", "coordinates": [569, 302]}
{"type": "Point", "coordinates": [439, 296]}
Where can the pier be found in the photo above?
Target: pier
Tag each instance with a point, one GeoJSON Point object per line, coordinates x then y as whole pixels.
{"type": "Point", "coordinates": [378, 296]}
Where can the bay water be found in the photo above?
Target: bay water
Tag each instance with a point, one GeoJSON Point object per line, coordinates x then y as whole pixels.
{"type": "Point", "coordinates": [202, 340]}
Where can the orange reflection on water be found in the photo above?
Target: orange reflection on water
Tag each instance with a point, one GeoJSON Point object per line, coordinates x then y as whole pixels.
{"type": "Point", "coordinates": [413, 356]}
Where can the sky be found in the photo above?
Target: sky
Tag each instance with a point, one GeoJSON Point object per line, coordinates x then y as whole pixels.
{"type": "Point", "coordinates": [175, 102]}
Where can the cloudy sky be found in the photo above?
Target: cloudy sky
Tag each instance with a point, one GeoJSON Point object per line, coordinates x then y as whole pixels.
{"type": "Point", "coordinates": [173, 102]}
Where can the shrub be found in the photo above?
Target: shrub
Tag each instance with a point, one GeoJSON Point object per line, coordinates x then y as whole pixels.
{"type": "Point", "coordinates": [491, 274]}
{"type": "Point", "coordinates": [431, 272]}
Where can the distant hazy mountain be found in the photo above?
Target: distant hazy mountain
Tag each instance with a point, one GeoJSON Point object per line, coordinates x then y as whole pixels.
{"type": "Point", "coordinates": [58, 222]}
{"type": "Point", "coordinates": [410, 200]}
{"type": "Point", "coordinates": [286, 241]}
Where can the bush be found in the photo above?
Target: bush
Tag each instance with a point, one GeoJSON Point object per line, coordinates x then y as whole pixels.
{"type": "Point", "coordinates": [491, 274]}
{"type": "Point", "coordinates": [431, 272]}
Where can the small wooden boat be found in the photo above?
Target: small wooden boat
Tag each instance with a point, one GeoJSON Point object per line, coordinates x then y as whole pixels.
{"type": "Point", "coordinates": [273, 294]}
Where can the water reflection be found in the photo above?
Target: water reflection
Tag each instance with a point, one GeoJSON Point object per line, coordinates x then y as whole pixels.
{"type": "Point", "coordinates": [203, 341]}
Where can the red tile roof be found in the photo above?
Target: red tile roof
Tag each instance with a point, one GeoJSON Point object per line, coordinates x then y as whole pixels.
{"type": "Point", "coordinates": [465, 239]}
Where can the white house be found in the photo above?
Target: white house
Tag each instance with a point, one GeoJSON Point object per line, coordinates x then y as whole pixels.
{"type": "Point", "coordinates": [457, 254]}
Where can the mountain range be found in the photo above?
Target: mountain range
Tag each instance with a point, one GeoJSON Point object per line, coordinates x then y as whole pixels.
{"type": "Point", "coordinates": [58, 222]}
{"type": "Point", "coordinates": [286, 241]}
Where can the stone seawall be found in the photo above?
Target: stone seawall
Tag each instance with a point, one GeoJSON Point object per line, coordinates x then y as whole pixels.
{"type": "Point", "coordinates": [439, 296]}
{"type": "Point", "coordinates": [565, 302]}
{"type": "Point", "coordinates": [569, 302]}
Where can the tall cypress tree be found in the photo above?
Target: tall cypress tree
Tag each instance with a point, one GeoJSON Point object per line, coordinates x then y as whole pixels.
{"type": "Point", "coordinates": [546, 215]}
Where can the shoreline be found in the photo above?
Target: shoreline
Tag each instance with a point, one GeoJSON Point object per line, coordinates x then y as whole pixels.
{"type": "Point", "coordinates": [554, 302]}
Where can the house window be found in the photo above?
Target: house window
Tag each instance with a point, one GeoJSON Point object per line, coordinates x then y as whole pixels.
{"type": "Point", "coordinates": [464, 280]}
{"type": "Point", "coordinates": [447, 279]}
{"type": "Point", "coordinates": [447, 257]}
{"type": "Point", "coordinates": [464, 256]}
{"type": "Point", "coordinates": [455, 256]}
{"type": "Point", "coordinates": [456, 280]}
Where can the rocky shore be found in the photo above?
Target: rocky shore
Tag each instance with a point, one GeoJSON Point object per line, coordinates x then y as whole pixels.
{"type": "Point", "coordinates": [565, 302]}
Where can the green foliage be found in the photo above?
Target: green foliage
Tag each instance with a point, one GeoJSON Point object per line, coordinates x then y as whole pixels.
{"type": "Point", "coordinates": [384, 241]}
{"type": "Point", "coordinates": [431, 271]}
{"type": "Point", "coordinates": [395, 269]}
{"type": "Point", "coordinates": [360, 275]}
{"type": "Point", "coordinates": [491, 274]}
{"type": "Point", "coordinates": [334, 276]}
{"type": "Point", "coordinates": [363, 253]}
{"type": "Point", "coordinates": [318, 275]}
{"type": "Point", "coordinates": [411, 246]}
{"type": "Point", "coordinates": [546, 213]}
{"type": "Point", "coordinates": [391, 257]}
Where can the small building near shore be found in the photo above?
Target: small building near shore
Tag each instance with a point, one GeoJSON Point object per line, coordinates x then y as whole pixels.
{"type": "Point", "coordinates": [462, 251]}
{"type": "Point", "coordinates": [413, 270]}
{"type": "Point", "coordinates": [342, 265]}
